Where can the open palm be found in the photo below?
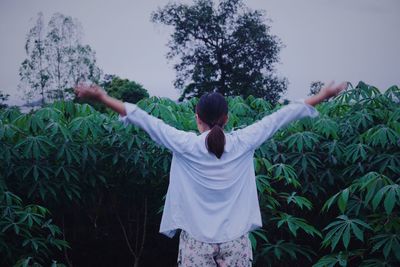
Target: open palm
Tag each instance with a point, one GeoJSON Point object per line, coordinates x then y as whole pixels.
{"type": "Point", "coordinates": [94, 92]}
{"type": "Point", "coordinates": [333, 90]}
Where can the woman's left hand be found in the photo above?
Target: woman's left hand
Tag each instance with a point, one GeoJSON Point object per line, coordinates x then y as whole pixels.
{"type": "Point", "coordinates": [326, 92]}
{"type": "Point", "coordinates": [333, 90]}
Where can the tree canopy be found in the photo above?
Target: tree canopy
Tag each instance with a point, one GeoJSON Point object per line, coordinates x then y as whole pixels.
{"type": "Point", "coordinates": [56, 59]}
{"type": "Point", "coordinates": [124, 89]}
{"type": "Point", "coordinates": [226, 48]}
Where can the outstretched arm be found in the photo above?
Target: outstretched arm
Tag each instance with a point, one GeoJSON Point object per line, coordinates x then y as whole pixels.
{"type": "Point", "coordinates": [252, 136]}
{"type": "Point", "coordinates": [162, 133]}
{"type": "Point", "coordinates": [325, 93]}
{"type": "Point", "coordinates": [96, 93]}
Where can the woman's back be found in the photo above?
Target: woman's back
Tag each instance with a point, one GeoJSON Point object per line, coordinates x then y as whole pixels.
{"type": "Point", "coordinates": [213, 199]}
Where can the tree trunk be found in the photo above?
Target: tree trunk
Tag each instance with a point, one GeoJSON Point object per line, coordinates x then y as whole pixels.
{"type": "Point", "coordinates": [222, 87]}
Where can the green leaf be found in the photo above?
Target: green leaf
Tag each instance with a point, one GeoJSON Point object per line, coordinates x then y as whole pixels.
{"type": "Point", "coordinates": [358, 232]}
{"type": "Point", "coordinates": [381, 135]}
{"type": "Point", "coordinates": [260, 233]}
{"type": "Point", "coordinates": [346, 237]}
{"type": "Point", "coordinates": [327, 127]}
{"type": "Point", "coordinates": [390, 200]}
{"type": "Point", "coordinates": [283, 171]}
{"type": "Point", "coordinates": [295, 223]}
{"type": "Point", "coordinates": [300, 140]}
{"type": "Point", "coordinates": [387, 243]}
{"type": "Point", "coordinates": [341, 229]}
{"type": "Point", "coordinates": [298, 200]}
{"type": "Point", "coordinates": [389, 192]}
{"type": "Point", "coordinates": [330, 202]}
{"type": "Point", "coordinates": [342, 201]}
{"type": "Point", "coordinates": [378, 197]}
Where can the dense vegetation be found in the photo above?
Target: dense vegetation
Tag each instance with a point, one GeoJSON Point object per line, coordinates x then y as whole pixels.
{"type": "Point", "coordinates": [78, 187]}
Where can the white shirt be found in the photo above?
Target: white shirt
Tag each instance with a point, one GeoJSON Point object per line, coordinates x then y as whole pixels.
{"type": "Point", "coordinates": [214, 200]}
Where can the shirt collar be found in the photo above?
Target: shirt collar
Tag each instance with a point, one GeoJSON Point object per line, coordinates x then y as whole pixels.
{"type": "Point", "coordinates": [205, 132]}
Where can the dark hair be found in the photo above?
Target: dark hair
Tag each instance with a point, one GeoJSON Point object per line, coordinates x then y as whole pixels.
{"type": "Point", "coordinates": [212, 109]}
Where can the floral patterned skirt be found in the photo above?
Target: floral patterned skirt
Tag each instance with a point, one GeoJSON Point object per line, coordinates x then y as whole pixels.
{"type": "Point", "coordinates": [235, 253]}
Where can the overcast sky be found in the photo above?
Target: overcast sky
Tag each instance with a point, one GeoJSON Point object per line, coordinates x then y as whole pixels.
{"type": "Point", "coordinates": [325, 40]}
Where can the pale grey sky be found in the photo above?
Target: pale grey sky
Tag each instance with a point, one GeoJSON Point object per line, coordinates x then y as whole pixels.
{"type": "Point", "coordinates": [325, 40]}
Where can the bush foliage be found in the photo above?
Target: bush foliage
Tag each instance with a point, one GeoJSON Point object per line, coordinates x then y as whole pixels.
{"type": "Point", "coordinates": [329, 187]}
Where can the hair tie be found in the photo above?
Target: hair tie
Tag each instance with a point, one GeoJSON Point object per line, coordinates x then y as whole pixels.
{"type": "Point", "coordinates": [212, 125]}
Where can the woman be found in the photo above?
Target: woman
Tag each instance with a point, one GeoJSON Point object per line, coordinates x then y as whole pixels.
{"type": "Point", "coordinates": [212, 195]}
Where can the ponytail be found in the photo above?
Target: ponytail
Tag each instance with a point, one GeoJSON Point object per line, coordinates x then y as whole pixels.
{"type": "Point", "coordinates": [215, 141]}
{"type": "Point", "coordinates": [212, 109]}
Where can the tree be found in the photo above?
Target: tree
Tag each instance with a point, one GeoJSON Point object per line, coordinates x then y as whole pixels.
{"type": "Point", "coordinates": [227, 48]}
{"type": "Point", "coordinates": [33, 72]}
{"type": "Point", "coordinates": [83, 65]}
{"type": "Point", "coordinates": [56, 59]}
{"type": "Point", "coordinates": [124, 89]}
{"type": "Point", "coordinates": [69, 61]}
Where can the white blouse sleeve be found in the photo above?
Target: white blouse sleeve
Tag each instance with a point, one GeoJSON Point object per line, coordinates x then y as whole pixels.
{"type": "Point", "coordinates": [257, 133]}
{"type": "Point", "coordinates": [162, 133]}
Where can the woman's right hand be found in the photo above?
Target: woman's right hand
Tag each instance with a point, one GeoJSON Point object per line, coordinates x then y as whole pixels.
{"type": "Point", "coordinates": [93, 92]}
